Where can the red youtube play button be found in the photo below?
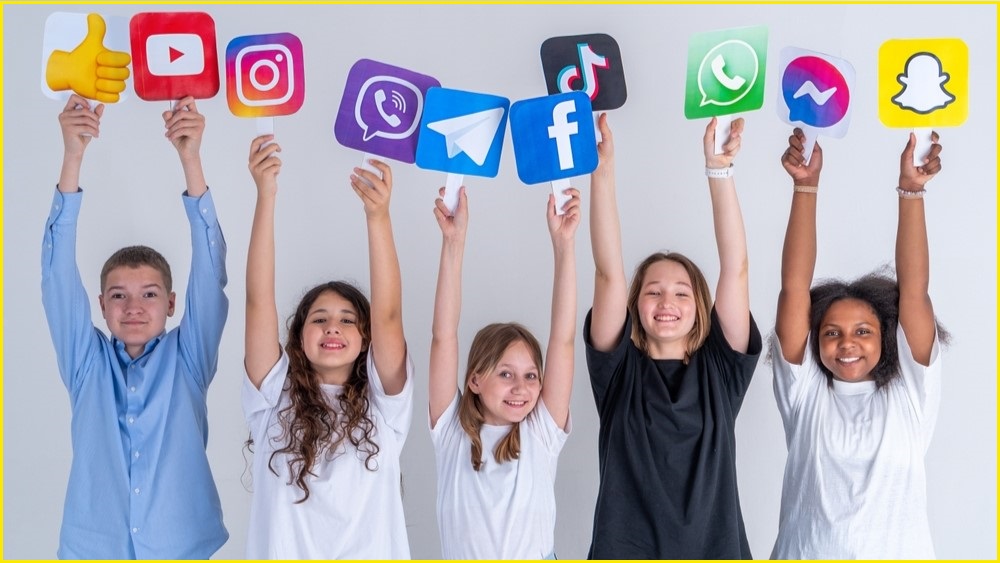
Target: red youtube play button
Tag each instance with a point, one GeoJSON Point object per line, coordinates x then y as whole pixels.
{"type": "Point", "coordinates": [174, 55]}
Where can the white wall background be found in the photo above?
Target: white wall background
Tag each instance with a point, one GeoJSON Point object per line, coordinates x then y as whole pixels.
{"type": "Point", "coordinates": [133, 180]}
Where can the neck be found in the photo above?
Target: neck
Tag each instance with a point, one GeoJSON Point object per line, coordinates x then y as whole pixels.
{"type": "Point", "coordinates": [673, 350]}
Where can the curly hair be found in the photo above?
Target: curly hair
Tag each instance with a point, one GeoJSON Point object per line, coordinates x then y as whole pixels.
{"type": "Point", "coordinates": [702, 300]}
{"type": "Point", "coordinates": [486, 351]}
{"type": "Point", "coordinates": [311, 427]}
{"type": "Point", "coordinates": [880, 291]}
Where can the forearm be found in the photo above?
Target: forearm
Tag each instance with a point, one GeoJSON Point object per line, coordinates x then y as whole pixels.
{"type": "Point", "coordinates": [69, 175]}
{"type": "Point", "coordinates": [730, 232]}
{"type": "Point", "coordinates": [386, 280]}
{"type": "Point", "coordinates": [443, 376]}
{"type": "Point", "coordinates": [564, 297]}
{"type": "Point", "coordinates": [798, 256]}
{"type": "Point", "coordinates": [912, 255]}
{"type": "Point", "coordinates": [206, 304]}
{"type": "Point", "coordinates": [194, 175]}
{"type": "Point", "coordinates": [605, 228]}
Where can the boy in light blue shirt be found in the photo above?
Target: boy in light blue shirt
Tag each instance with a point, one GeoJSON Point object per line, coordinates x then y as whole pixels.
{"type": "Point", "coordinates": [140, 485]}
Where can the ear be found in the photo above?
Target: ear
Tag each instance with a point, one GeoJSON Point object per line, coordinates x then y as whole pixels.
{"type": "Point", "coordinates": [100, 299]}
{"type": "Point", "coordinates": [474, 384]}
{"type": "Point", "coordinates": [170, 304]}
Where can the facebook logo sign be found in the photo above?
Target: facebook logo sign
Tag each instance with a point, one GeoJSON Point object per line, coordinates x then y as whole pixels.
{"type": "Point", "coordinates": [553, 137]}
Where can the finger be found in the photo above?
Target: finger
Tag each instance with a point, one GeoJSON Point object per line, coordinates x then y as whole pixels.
{"type": "Point", "coordinates": [75, 102]}
{"type": "Point", "coordinates": [934, 152]}
{"type": "Point", "coordinates": [441, 191]}
{"type": "Point", "coordinates": [95, 29]}
{"type": "Point", "coordinates": [188, 102]}
{"type": "Point", "coordinates": [106, 97]}
{"type": "Point", "coordinates": [116, 59]}
{"type": "Point", "coordinates": [934, 137]}
{"type": "Point", "coordinates": [372, 177]}
{"type": "Point", "coordinates": [109, 86]}
{"type": "Point", "coordinates": [737, 126]}
{"type": "Point", "coordinates": [99, 111]}
{"type": "Point", "coordinates": [112, 73]}
{"type": "Point", "coordinates": [796, 141]}
{"type": "Point", "coordinates": [384, 169]}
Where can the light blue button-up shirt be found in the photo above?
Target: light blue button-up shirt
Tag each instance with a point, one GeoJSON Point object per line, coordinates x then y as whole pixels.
{"type": "Point", "coordinates": [140, 485]}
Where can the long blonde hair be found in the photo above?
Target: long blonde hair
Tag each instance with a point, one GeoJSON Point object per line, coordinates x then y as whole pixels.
{"type": "Point", "coordinates": [485, 353]}
{"type": "Point", "coordinates": [702, 300]}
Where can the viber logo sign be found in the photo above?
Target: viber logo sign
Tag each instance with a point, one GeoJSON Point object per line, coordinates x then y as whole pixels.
{"type": "Point", "coordinates": [265, 75]}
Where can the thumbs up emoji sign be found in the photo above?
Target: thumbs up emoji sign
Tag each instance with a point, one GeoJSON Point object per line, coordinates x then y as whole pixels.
{"type": "Point", "coordinates": [91, 69]}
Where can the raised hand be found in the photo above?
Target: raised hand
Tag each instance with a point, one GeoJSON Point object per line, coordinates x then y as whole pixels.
{"type": "Point", "coordinates": [912, 178]}
{"type": "Point", "coordinates": [729, 150]}
{"type": "Point", "coordinates": [373, 190]}
{"type": "Point", "coordinates": [794, 161]}
{"type": "Point", "coordinates": [265, 165]}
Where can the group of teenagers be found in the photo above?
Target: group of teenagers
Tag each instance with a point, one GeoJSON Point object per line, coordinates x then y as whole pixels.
{"type": "Point", "coordinates": [856, 377]}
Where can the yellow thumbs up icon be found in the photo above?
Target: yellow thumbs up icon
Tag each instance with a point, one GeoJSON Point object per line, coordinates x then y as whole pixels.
{"type": "Point", "coordinates": [91, 69]}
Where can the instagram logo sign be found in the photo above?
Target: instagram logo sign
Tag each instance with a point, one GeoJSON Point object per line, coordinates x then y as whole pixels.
{"type": "Point", "coordinates": [265, 75]}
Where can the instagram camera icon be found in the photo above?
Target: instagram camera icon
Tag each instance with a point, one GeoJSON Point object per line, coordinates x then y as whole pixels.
{"type": "Point", "coordinates": [265, 75]}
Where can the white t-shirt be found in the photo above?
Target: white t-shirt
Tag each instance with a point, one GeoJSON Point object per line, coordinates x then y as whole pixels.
{"type": "Point", "coordinates": [352, 513]}
{"type": "Point", "coordinates": [855, 482]}
{"type": "Point", "coordinates": [504, 510]}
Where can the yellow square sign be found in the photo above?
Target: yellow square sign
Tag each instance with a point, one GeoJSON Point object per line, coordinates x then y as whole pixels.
{"type": "Point", "coordinates": [923, 82]}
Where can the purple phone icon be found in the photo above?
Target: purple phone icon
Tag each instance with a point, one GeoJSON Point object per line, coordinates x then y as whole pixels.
{"type": "Point", "coordinates": [381, 108]}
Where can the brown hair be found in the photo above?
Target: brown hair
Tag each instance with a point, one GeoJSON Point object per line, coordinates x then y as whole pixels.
{"type": "Point", "coordinates": [135, 256]}
{"type": "Point", "coordinates": [702, 300]}
{"type": "Point", "coordinates": [311, 429]}
{"type": "Point", "coordinates": [485, 353]}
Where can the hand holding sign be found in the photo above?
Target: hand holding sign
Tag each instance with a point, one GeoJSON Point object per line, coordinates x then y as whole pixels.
{"type": "Point", "coordinates": [91, 69]}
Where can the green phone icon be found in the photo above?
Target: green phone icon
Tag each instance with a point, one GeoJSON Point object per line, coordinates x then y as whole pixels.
{"type": "Point", "coordinates": [725, 72]}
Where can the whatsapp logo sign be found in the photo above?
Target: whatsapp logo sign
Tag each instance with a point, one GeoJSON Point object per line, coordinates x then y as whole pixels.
{"type": "Point", "coordinates": [726, 72]}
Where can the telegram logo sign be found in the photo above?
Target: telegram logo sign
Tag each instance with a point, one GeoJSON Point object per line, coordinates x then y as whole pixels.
{"type": "Point", "coordinates": [462, 132]}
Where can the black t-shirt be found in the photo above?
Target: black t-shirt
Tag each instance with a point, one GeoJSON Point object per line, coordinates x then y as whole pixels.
{"type": "Point", "coordinates": [667, 449]}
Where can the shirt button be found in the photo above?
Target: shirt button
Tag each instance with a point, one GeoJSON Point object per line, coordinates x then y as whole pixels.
{"type": "Point", "coordinates": [131, 419]}
{"type": "Point", "coordinates": [132, 388]}
{"type": "Point", "coordinates": [134, 530]}
{"type": "Point", "coordinates": [136, 491]}
{"type": "Point", "coordinates": [204, 210]}
{"type": "Point", "coordinates": [136, 455]}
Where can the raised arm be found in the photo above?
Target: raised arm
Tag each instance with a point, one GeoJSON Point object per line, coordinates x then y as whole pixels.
{"type": "Point", "coordinates": [798, 257]}
{"type": "Point", "coordinates": [557, 385]}
{"type": "Point", "coordinates": [79, 125]}
{"type": "Point", "coordinates": [732, 294]}
{"type": "Point", "coordinates": [389, 344]}
{"type": "Point", "coordinates": [262, 347]}
{"type": "Point", "coordinates": [916, 314]}
{"type": "Point", "coordinates": [610, 292]}
{"type": "Point", "coordinates": [185, 127]}
{"type": "Point", "coordinates": [206, 306]}
{"type": "Point", "coordinates": [447, 305]}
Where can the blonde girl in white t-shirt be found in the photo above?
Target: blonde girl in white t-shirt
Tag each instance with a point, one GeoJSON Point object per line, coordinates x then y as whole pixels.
{"type": "Point", "coordinates": [498, 440]}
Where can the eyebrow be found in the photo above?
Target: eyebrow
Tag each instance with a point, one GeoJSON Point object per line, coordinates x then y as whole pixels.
{"type": "Point", "coordinates": [658, 282]}
{"type": "Point", "coordinates": [344, 311]}
{"type": "Point", "coordinates": [122, 287]}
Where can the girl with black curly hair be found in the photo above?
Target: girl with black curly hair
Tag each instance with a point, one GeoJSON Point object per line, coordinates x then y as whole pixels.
{"type": "Point", "coordinates": [857, 377]}
{"type": "Point", "coordinates": [329, 413]}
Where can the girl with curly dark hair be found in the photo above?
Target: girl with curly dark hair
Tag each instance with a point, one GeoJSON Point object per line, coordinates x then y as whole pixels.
{"type": "Point", "coordinates": [857, 377]}
{"type": "Point", "coordinates": [329, 413]}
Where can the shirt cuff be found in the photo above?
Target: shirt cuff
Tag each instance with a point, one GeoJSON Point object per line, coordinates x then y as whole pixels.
{"type": "Point", "coordinates": [65, 207]}
{"type": "Point", "coordinates": [203, 207]}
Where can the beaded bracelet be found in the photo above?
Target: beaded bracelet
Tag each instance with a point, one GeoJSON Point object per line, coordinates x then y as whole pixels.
{"type": "Point", "coordinates": [911, 194]}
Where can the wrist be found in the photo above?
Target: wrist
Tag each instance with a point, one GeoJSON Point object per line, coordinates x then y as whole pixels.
{"type": "Point", "coordinates": [905, 193]}
{"type": "Point", "coordinates": [909, 185]}
{"type": "Point", "coordinates": [723, 172]}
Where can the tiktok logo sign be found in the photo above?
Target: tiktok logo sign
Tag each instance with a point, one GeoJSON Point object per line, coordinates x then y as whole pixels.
{"type": "Point", "coordinates": [553, 137]}
{"type": "Point", "coordinates": [591, 64]}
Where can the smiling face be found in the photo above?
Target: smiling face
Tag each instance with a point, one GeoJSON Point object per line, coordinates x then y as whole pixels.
{"type": "Point", "coordinates": [135, 303]}
{"type": "Point", "coordinates": [667, 309]}
{"type": "Point", "coordinates": [850, 340]}
{"type": "Point", "coordinates": [508, 391]}
{"type": "Point", "coordinates": [331, 339]}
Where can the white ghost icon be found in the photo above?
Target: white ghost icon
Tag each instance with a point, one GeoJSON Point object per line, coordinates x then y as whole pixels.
{"type": "Point", "coordinates": [923, 85]}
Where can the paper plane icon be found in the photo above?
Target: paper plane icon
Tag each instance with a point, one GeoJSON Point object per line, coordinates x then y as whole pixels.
{"type": "Point", "coordinates": [472, 134]}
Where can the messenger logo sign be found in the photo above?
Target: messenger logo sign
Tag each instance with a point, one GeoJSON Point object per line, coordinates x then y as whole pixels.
{"type": "Point", "coordinates": [381, 108]}
{"type": "Point", "coordinates": [725, 72]}
{"type": "Point", "coordinates": [815, 91]}
{"type": "Point", "coordinates": [553, 137]}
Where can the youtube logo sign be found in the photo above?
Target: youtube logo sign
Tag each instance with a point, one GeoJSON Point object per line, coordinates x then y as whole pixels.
{"type": "Point", "coordinates": [174, 55]}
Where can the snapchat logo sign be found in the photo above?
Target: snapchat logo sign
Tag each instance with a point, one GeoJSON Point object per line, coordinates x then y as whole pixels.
{"type": "Point", "coordinates": [923, 82]}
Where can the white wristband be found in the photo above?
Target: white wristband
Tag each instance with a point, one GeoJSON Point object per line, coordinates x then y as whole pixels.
{"type": "Point", "coordinates": [720, 172]}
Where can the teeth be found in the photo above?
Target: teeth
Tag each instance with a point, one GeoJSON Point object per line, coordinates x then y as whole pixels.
{"type": "Point", "coordinates": [847, 360]}
{"type": "Point", "coordinates": [516, 403]}
{"type": "Point", "coordinates": [663, 318]}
